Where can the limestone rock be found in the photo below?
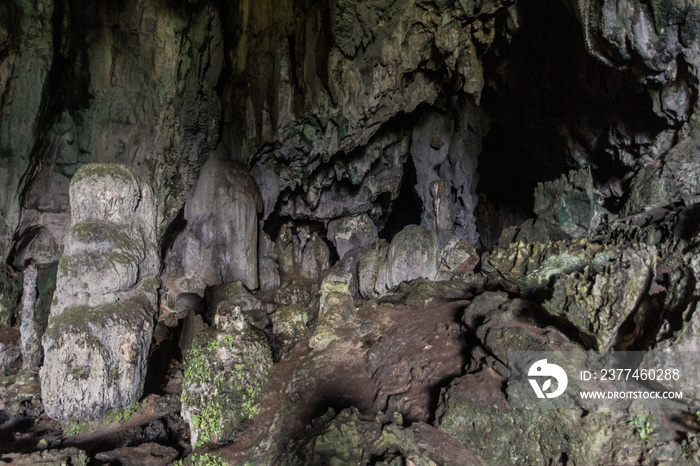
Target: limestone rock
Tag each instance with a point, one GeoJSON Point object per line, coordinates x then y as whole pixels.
{"type": "Point", "coordinates": [413, 253]}
{"type": "Point", "coordinates": [289, 323]}
{"type": "Point", "coordinates": [570, 203]}
{"type": "Point", "coordinates": [337, 308]}
{"type": "Point", "coordinates": [20, 393]}
{"type": "Point", "coordinates": [474, 410]}
{"type": "Point", "coordinates": [220, 242]}
{"type": "Point", "coordinates": [30, 331]}
{"type": "Point", "coordinates": [347, 438]}
{"type": "Point", "coordinates": [27, 53]}
{"type": "Point", "coordinates": [102, 317]}
{"type": "Point", "coordinates": [10, 293]}
{"type": "Point", "coordinates": [599, 303]}
{"type": "Point", "coordinates": [225, 373]}
{"type": "Point", "coordinates": [531, 266]}
{"type": "Point", "coordinates": [9, 357]}
{"type": "Point", "coordinates": [70, 456]}
{"type": "Point", "coordinates": [268, 272]}
{"type": "Point", "coordinates": [220, 297]}
{"type": "Point", "coordinates": [368, 268]}
{"type": "Point", "coordinates": [350, 232]}
{"type": "Point", "coordinates": [315, 258]}
{"type": "Point", "coordinates": [445, 153]}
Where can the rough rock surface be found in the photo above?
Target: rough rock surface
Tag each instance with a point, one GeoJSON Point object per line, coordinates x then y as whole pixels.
{"type": "Point", "coordinates": [128, 84]}
{"type": "Point", "coordinates": [415, 252]}
{"type": "Point", "coordinates": [225, 373]}
{"type": "Point", "coordinates": [351, 232]}
{"type": "Point", "coordinates": [570, 203]}
{"type": "Point", "coordinates": [347, 438]}
{"type": "Point", "coordinates": [103, 312]}
{"type": "Point", "coordinates": [599, 304]}
{"type": "Point", "coordinates": [10, 293]}
{"type": "Point", "coordinates": [220, 242]}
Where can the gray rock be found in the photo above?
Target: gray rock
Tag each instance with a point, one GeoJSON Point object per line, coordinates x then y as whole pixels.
{"type": "Point", "coordinates": [101, 321]}
{"type": "Point", "coordinates": [218, 298]}
{"type": "Point", "coordinates": [27, 54]}
{"type": "Point", "coordinates": [316, 257]}
{"type": "Point", "coordinates": [146, 454]}
{"type": "Point", "coordinates": [20, 393]}
{"type": "Point", "coordinates": [30, 331]}
{"type": "Point", "coordinates": [220, 242]}
{"type": "Point", "coordinates": [351, 232]}
{"type": "Point", "coordinates": [225, 372]}
{"type": "Point", "coordinates": [413, 253]}
{"type": "Point", "coordinates": [336, 308]}
{"type": "Point", "coordinates": [67, 456]}
{"type": "Point", "coordinates": [598, 304]}
{"type": "Point", "coordinates": [570, 203]}
{"type": "Point", "coordinates": [9, 359]}
{"type": "Point", "coordinates": [10, 293]}
{"type": "Point", "coordinates": [445, 152]}
{"type": "Point", "coordinates": [368, 268]}
{"type": "Point", "coordinates": [289, 324]}
{"type": "Point", "coordinates": [268, 273]}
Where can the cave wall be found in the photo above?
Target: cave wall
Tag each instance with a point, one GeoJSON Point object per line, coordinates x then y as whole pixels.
{"type": "Point", "coordinates": [327, 103]}
{"type": "Point", "coordinates": [127, 82]}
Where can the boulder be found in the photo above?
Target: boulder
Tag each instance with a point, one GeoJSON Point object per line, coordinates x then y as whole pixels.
{"type": "Point", "coordinates": [102, 316]}
{"type": "Point", "coordinates": [350, 232]}
{"type": "Point", "coordinates": [474, 410]}
{"type": "Point", "coordinates": [336, 308]}
{"type": "Point", "coordinates": [225, 374]}
{"type": "Point", "coordinates": [315, 258]}
{"type": "Point", "coordinates": [598, 304]}
{"type": "Point", "coordinates": [268, 272]}
{"type": "Point", "coordinates": [220, 242]}
{"type": "Point", "coordinates": [349, 438]}
{"type": "Point", "coordinates": [570, 203]}
{"type": "Point", "coordinates": [415, 252]}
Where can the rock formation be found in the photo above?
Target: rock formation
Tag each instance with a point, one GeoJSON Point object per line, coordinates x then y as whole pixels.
{"type": "Point", "coordinates": [104, 307]}
{"type": "Point", "coordinates": [307, 232]}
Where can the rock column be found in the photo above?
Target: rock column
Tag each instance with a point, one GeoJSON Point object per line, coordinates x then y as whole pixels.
{"type": "Point", "coordinates": [102, 317]}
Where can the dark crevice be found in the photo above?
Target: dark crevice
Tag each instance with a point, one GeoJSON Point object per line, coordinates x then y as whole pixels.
{"type": "Point", "coordinates": [554, 108]}
{"type": "Point", "coordinates": [407, 207]}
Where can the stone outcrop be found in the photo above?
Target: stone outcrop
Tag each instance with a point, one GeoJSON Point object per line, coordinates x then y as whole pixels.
{"type": "Point", "coordinates": [570, 203]}
{"type": "Point", "coordinates": [220, 242]}
{"type": "Point", "coordinates": [351, 232]}
{"type": "Point", "coordinates": [102, 316]}
{"type": "Point", "coordinates": [226, 371]}
{"type": "Point", "coordinates": [415, 252]}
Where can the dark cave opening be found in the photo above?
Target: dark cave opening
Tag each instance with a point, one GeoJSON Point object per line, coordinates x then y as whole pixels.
{"type": "Point", "coordinates": [554, 108]}
{"type": "Point", "coordinates": [406, 209]}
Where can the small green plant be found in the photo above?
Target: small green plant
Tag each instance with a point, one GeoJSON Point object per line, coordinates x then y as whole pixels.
{"type": "Point", "coordinates": [204, 459]}
{"type": "Point", "coordinates": [208, 422]}
{"type": "Point", "coordinates": [123, 414]}
{"type": "Point", "coordinates": [72, 428]}
{"type": "Point", "coordinates": [642, 424]}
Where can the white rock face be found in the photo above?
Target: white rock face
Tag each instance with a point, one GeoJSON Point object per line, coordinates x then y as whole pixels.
{"type": "Point", "coordinates": [220, 243]}
{"type": "Point", "coordinates": [101, 320]}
